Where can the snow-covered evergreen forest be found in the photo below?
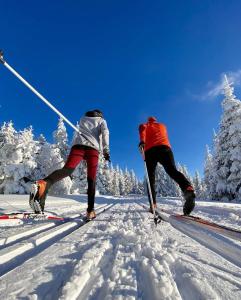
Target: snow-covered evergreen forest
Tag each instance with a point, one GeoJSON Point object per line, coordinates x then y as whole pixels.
{"type": "Point", "coordinates": [24, 156]}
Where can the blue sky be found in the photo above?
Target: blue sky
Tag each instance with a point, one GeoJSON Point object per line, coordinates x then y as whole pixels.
{"type": "Point", "coordinates": [131, 59]}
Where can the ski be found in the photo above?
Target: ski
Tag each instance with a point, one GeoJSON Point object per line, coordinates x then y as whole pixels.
{"type": "Point", "coordinates": [222, 229]}
{"type": "Point", "coordinates": [206, 222]}
{"type": "Point", "coordinates": [30, 216]}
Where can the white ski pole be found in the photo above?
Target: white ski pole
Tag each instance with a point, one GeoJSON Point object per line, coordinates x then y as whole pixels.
{"type": "Point", "coordinates": [155, 217]}
{"type": "Point", "coordinates": [36, 92]}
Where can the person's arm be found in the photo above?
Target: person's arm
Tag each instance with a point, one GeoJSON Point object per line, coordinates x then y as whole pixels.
{"type": "Point", "coordinates": [105, 140]}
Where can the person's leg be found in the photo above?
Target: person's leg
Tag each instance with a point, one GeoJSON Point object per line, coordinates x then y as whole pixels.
{"type": "Point", "coordinates": [76, 155]}
{"type": "Point", "coordinates": [40, 188]}
{"type": "Point", "coordinates": [151, 162]}
{"type": "Point", "coordinates": [166, 159]}
{"type": "Point", "coordinates": [92, 158]}
{"type": "Point", "coordinates": [58, 175]}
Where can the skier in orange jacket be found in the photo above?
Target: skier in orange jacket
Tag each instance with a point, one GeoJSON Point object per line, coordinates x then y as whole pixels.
{"type": "Point", "coordinates": [154, 143]}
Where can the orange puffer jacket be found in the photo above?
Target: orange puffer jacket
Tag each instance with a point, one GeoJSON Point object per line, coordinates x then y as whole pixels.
{"type": "Point", "coordinates": [153, 134]}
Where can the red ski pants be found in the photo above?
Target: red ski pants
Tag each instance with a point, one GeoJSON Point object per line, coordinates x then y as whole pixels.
{"type": "Point", "coordinates": [79, 153]}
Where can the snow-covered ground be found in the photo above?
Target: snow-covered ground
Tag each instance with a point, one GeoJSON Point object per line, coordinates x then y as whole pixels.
{"type": "Point", "coordinates": [119, 255]}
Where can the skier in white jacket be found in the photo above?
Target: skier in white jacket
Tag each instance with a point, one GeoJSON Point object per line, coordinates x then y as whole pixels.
{"type": "Point", "coordinates": [94, 138]}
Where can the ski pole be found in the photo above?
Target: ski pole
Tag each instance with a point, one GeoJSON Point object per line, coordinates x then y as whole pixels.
{"type": "Point", "coordinates": [155, 217]}
{"type": "Point", "coordinates": [36, 92]}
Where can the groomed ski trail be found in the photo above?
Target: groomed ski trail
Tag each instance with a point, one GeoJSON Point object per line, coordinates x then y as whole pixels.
{"type": "Point", "coordinates": [122, 255]}
{"type": "Point", "coordinates": [18, 248]}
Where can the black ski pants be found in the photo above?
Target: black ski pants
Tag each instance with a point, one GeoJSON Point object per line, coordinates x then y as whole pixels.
{"type": "Point", "coordinates": [164, 155]}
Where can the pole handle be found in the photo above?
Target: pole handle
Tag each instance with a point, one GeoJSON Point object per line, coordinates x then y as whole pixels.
{"type": "Point", "coordinates": [1, 57]}
{"type": "Point", "coordinates": [142, 153]}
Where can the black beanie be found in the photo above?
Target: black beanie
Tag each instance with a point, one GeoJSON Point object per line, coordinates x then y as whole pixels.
{"type": "Point", "coordinates": [94, 113]}
{"type": "Point", "coordinates": [99, 112]}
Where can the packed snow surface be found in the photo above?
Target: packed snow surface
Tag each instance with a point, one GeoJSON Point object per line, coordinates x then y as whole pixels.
{"type": "Point", "coordinates": [119, 255]}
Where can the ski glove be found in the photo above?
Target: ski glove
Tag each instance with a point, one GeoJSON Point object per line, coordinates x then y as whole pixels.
{"type": "Point", "coordinates": [106, 156]}
{"type": "Point", "coordinates": [141, 146]}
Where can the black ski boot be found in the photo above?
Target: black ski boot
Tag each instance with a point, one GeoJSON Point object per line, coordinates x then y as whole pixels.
{"type": "Point", "coordinates": [189, 204]}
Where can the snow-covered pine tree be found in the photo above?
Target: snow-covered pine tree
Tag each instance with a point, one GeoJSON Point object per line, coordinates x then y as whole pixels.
{"type": "Point", "coordinates": [173, 188]}
{"type": "Point", "coordinates": [165, 185]}
{"type": "Point", "coordinates": [122, 183]}
{"type": "Point", "coordinates": [7, 147]}
{"type": "Point", "coordinates": [29, 148]}
{"type": "Point", "coordinates": [17, 159]}
{"type": "Point", "coordinates": [79, 179]}
{"type": "Point", "coordinates": [100, 177]}
{"type": "Point", "coordinates": [183, 169]}
{"type": "Point", "coordinates": [135, 183]}
{"type": "Point", "coordinates": [61, 139]}
{"type": "Point", "coordinates": [103, 180]}
{"type": "Point", "coordinates": [161, 182]}
{"type": "Point", "coordinates": [145, 187]}
{"type": "Point", "coordinates": [49, 159]}
{"type": "Point", "coordinates": [227, 156]}
{"type": "Point", "coordinates": [61, 145]}
{"type": "Point", "coordinates": [128, 183]}
{"type": "Point", "coordinates": [198, 186]}
{"type": "Point", "coordinates": [115, 183]}
{"type": "Point", "coordinates": [107, 179]}
{"type": "Point", "coordinates": [209, 176]}
{"type": "Point", "coordinates": [141, 189]}
{"type": "Point", "coordinates": [111, 179]}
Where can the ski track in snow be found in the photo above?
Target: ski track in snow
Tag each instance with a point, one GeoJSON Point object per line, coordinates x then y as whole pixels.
{"type": "Point", "coordinates": [119, 255]}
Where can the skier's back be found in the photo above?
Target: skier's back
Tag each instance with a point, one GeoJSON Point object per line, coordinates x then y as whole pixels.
{"type": "Point", "coordinates": [155, 144]}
